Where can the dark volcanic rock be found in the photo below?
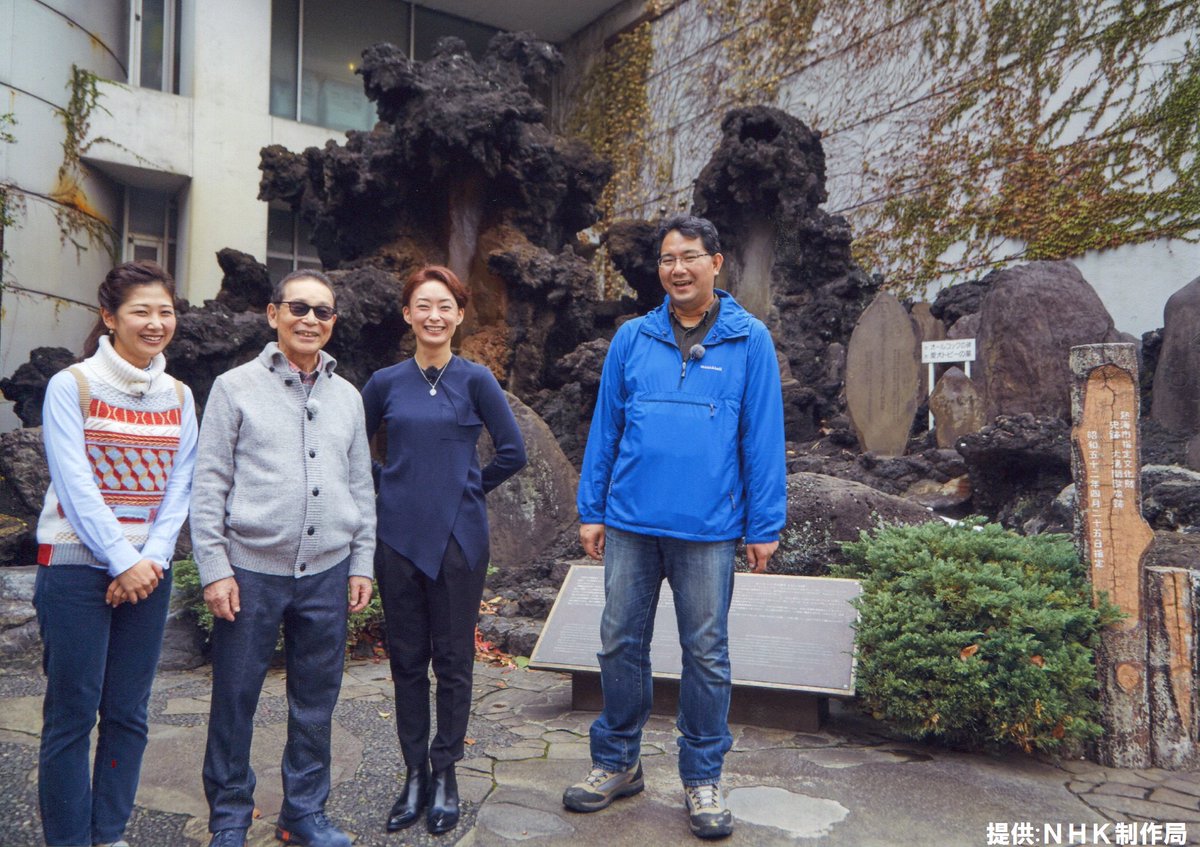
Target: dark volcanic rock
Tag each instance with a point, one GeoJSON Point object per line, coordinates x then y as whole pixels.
{"type": "Point", "coordinates": [24, 472]}
{"type": "Point", "coordinates": [214, 338]}
{"type": "Point", "coordinates": [957, 301]}
{"type": "Point", "coordinates": [1176, 394]}
{"type": "Point", "coordinates": [27, 386]}
{"type": "Point", "coordinates": [1161, 446]}
{"type": "Point", "coordinates": [1171, 497]}
{"type": "Point", "coordinates": [1174, 550]}
{"type": "Point", "coordinates": [1017, 465]}
{"type": "Point", "coordinates": [567, 409]}
{"type": "Point", "coordinates": [1148, 351]}
{"type": "Point", "coordinates": [246, 284]}
{"type": "Point", "coordinates": [461, 170]}
{"type": "Point", "coordinates": [1030, 318]}
{"type": "Point", "coordinates": [762, 189]}
{"type": "Point", "coordinates": [633, 251]}
{"type": "Point", "coordinates": [824, 511]}
{"type": "Point", "coordinates": [24, 479]}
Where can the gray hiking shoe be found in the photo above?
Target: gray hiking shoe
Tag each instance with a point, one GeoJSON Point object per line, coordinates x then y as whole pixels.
{"type": "Point", "coordinates": [601, 787]}
{"type": "Point", "coordinates": [707, 815]}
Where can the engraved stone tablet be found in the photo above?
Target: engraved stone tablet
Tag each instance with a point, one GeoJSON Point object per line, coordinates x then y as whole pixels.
{"type": "Point", "coordinates": [929, 328]}
{"type": "Point", "coordinates": [956, 406]}
{"type": "Point", "coordinates": [786, 632]}
{"type": "Point", "coordinates": [883, 376]}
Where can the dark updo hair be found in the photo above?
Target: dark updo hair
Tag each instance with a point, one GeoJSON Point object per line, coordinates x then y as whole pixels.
{"type": "Point", "coordinates": [116, 289]}
{"type": "Point", "coordinates": [435, 273]}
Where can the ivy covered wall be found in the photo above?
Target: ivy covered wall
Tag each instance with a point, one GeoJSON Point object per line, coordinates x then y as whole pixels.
{"type": "Point", "coordinates": [960, 135]}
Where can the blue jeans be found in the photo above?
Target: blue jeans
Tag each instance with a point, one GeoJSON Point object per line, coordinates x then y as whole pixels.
{"type": "Point", "coordinates": [312, 611]}
{"type": "Point", "coordinates": [97, 659]}
{"type": "Point", "coordinates": [701, 577]}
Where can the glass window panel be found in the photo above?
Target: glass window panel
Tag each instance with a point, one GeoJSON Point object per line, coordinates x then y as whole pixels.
{"type": "Point", "coordinates": [429, 26]}
{"type": "Point", "coordinates": [304, 245]}
{"type": "Point", "coordinates": [143, 252]}
{"type": "Point", "coordinates": [285, 46]}
{"type": "Point", "coordinates": [333, 44]}
{"type": "Point", "coordinates": [153, 33]}
{"type": "Point", "coordinates": [280, 231]}
{"type": "Point", "coordinates": [147, 212]}
{"type": "Point", "coordinates": [308, 264]}
{"type": "Point", "coordinates": [176, 51]}
{"type": "Point", "coordinates": [278, 268]}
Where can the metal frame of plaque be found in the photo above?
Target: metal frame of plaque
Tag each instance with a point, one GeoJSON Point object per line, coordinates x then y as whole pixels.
{"type": "Point", "coordinates": [793, 633]}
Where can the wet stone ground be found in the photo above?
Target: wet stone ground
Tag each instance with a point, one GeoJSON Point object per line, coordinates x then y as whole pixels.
{"type": "Point", "coordinates": [849, 784]}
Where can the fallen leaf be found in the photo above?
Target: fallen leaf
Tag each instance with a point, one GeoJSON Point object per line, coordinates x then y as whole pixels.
{"type": "Point", "coordinates": [470, 742]}
{"type": "Point", "coordinates": [1038, 660]}
{"type": "Point", "coordinates": [385, 714]}
{"type": "Point", "coordinates": [968, 651]}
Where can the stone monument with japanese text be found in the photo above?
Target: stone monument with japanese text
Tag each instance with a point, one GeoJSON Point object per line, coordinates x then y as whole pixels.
{"type": "Point", "coordinates": [1146, 662]}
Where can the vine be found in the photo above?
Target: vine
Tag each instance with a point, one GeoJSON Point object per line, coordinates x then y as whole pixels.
{"type": "Point", "coordinates": [12, 202]}
{"type": "Point", "coordinates": [79, 222]}
{"type": "Point", "coordinates": [613, 114]}
{"type": "Point", "coordinates": [961, 135]}
{"type": "Point", "coordinates": [1074, 135]}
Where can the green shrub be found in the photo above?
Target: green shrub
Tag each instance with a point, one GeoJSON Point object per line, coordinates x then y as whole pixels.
{"type": "Point", "coordinates": [976, 635]}
{"type": "Point", "coordinates": [186, 585]}
{"type": "Point", "coordinates": [363, 626]}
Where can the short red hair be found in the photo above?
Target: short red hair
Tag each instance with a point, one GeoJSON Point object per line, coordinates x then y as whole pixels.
{"type": "Point", "coordinates": [435, 273]}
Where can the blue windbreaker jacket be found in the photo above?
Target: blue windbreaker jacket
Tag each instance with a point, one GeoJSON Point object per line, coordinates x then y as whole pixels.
{"type": "Point", "coordinates": [692, 450]}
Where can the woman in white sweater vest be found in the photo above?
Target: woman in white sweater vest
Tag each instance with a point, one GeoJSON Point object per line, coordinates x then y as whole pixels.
{"type": "Point", "coordinates": [120, 438]}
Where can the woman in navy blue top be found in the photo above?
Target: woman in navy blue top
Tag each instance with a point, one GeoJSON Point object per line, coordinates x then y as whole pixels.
{"type": "Point", "coordinates": [432, 553]}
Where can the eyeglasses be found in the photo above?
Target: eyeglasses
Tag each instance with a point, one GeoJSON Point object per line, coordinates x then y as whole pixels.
{"type": "Point", "coordinates": [687, 260]}
{"type": "Point", "coordinates": [299, 309]}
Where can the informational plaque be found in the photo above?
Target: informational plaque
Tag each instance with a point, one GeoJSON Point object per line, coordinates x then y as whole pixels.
{"type": "Point", "coordinates": [786, 632]}
{"type": "Point", "coordinates": [952, 350]}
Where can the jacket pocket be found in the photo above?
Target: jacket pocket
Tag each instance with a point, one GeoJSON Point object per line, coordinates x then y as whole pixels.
{"type": "Point", "coordinates": [677, 464]}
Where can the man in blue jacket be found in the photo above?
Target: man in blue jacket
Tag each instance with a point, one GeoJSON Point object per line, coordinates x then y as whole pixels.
{"type": "Point", "coordinates": [685, 456]}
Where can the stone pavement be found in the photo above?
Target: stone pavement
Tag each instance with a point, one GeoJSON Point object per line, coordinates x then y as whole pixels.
{"type": "Point", "coordinates": [850, 785]}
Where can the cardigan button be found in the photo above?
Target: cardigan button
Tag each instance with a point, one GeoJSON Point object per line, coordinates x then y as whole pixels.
{"type": "Point", "coordinates": [312, 454]}
{"type": "Point", "coordinates": [310, 416]}
{"type": "Point", "coordinates": [316, 491]}
{"type": "Point", "coordinates": [311, 530]}
{"type": "Point", "coordinates": [288, 382]}
{"type": "Point", "coordinates": [303, 567]}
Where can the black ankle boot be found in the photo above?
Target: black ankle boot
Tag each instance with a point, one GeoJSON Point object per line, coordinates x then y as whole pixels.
{"type": "Point", "coordinates": [443, 802]}
{"type": "Point", "coordinates": [412, 799]}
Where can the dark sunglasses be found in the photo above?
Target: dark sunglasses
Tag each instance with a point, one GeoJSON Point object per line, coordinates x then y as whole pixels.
{"type": "Point", "coordinates": [299, 309]}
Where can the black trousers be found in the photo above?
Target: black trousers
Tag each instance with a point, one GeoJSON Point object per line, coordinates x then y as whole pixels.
{"type": "Point", "coordinates": [430, 619]}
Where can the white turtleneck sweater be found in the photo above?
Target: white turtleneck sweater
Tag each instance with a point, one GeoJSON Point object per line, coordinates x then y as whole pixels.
{"type": "Point", "coordinates": [121, 480]}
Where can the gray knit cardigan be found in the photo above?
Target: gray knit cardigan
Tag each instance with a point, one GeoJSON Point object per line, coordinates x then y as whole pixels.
{"type": "Point", "coordinates": [283, 476]}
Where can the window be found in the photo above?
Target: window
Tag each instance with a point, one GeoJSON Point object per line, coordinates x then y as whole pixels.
{"type": "Point", "coordinates": [319, 43]}
{"type": "Point", "coordinates": [429, 26]}
{"type": "Point", "coordinates": [288, 245]}
{"type": "Point", "coordinates": [151, 220]}
{"type": "Point", "coordinates": [316, 46]}
{"type": "Point", "coordinates": [153, 44]}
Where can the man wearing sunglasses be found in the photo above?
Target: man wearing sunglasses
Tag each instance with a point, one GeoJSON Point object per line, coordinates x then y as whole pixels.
{"type": "Point", "coordinates": [283, 526]}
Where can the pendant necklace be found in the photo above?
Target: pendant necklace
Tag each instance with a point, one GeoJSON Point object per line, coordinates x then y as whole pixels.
{"type": "Point", "coordinates": [433, 384]}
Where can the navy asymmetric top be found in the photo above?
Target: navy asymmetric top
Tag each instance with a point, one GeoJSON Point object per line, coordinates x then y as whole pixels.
{"type": "Point", "coordinates": [431, 486]}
